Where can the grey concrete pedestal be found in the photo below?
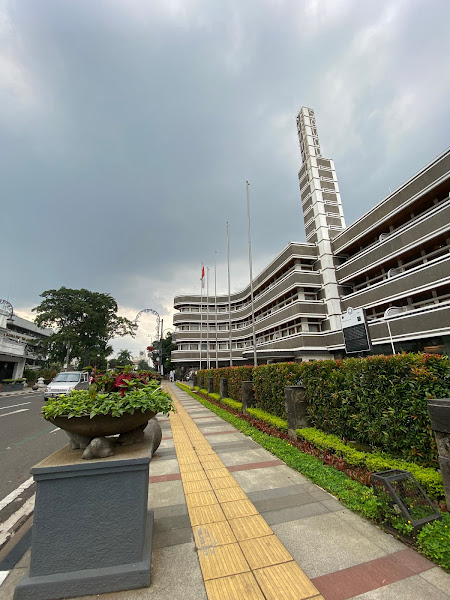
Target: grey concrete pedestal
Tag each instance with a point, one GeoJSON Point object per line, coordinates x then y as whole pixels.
{"type": "Point", "coordinates": [92, 532]}
{"type": "Point", "coordinates": [439, 411]}
{"type": "Point", "coordinates": [248, 395]}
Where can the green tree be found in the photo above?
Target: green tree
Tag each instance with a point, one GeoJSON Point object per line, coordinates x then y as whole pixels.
{"type": "Point", "coordinates": [143, 365]}
{"type": "Point", "coordinates": [167, 346]}
{"type": "Point", "coordinates": [83, 322]}
{"type": "Point", "coordinates": [123, 358]}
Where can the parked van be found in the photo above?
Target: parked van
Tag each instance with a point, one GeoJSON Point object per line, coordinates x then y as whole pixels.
{"type": "Point", "coordinates": [65, 382]}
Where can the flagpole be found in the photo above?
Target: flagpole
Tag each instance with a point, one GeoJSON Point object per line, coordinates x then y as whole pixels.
{"type": "Point", "coordinates": [255, 359]}
{"type": "Point", "coordinates": [208, 365]}
{"type": "Point", "coordinates": [215, 305]}
{"type": "Point", "coordinates": [201, 317]}
{"type": "Point", "coordinates": [229, 292]}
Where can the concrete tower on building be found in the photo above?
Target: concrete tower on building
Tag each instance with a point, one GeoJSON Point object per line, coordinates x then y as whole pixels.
{"type": "Point", "coordinates": [322, 207]}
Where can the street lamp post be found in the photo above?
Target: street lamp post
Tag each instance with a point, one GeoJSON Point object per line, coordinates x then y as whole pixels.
{"type": "Point", "coordinates": [388, 313]}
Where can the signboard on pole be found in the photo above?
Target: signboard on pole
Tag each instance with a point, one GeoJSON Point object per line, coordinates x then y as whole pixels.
{"type": "Point", "coordinates": [355, 331]}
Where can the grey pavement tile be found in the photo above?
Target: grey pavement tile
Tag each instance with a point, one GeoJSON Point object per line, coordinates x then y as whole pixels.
{"type": "Point", "coordinates": [289, 490]}
{"type": "Point", "coordinates": [331, 504]}
{"type": "Point", "coordinates": [215, 440]}
{"type": "Point", "coordinates": [324, 543]}
{"type": "Point", "coordinates": [246, 457]}
{"type": "Point", "coordinates": [166, 444]}
{"type": "Point", "coordinates": [209, 425]}
{"type": "Point", "coordinates": [164, 454]}
{"type": "Point", "coordinates": [267, 478]}
{"type": "Point", "coordinates": [163, 467]}
{"type": "Point", "coordinates": [270, 504]}
{"type": "Point", "coordinates": [438, 578]}
{"type": "Point", "coordinates": [175, 574]}
{"type": "Point", "coordinates": [166, 523]}
{"type": "Point", "coordinates": [383, 540]}
{"type": "Point", "coordinates": [244, 445]}
{"type": "Point", "coordinates": [411, 588]}
{"type": "Point", "coordinates": [165, 493]}
{"type": "Point", "coordinates": [294, 513]}
{"type": "Point", "coordinates": [171, 537]}
{"type": "Point", "coordinates": [174, 510]}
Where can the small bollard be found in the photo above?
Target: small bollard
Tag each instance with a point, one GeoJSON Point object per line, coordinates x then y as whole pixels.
{"type": "Point", "coordinates": [223, 387]}
{"type": "Point", "coordinates": [296, 405]}
{"type": "Point", "coordinates": [439, 411]}
{"type": "Point", "coordinates": [248, 395]}
{"type": "Point", "coordinates": [210, 383]}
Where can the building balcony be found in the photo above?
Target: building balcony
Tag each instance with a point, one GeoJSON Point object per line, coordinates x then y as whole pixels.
{"type": "Point", "coordinates": [11, 347]}
{"type": "Point", "coordinates": [412, 235]}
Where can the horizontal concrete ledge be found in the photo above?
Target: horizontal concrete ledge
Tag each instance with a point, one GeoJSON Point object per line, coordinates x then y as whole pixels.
{"type": "Point", "coordinates": [91, 581]}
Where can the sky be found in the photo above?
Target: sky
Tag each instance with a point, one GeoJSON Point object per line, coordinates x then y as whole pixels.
{"type": "Point", "coordinates": [129, 127]}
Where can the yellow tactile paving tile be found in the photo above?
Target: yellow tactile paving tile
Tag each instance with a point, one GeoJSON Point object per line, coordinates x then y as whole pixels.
{"type": "Point", "coordinates": [213, 534]}
{"type": "Point", "coordinates": [234, 587]}
{"type": "Point", "coordinates": [190, 487]}
{"type": "Point", "coordinates": [200, 499]}
{"type": "Point", "coordinates": [191, 467]}
{"type": "Point", "coordinates": [239, 508]}
{"type": "Point", "coordinates": [214, 473]}
{"type": "Point", "coordinates": [220, 483]}
{"type": "Point", "coordinates": [286, 582]}
{"type": "Point", "coordinates": [247, 528]}
{"type": "Point", "coordinates": [238, 552]}
{"type": "Point", "coordinates": [221, 561]}
{"type": "Point", "coordinates": [230, 494]}
{"type": "Point", "coordinates": [212, 465]}
{"type": "Point", "coordinates": [264, 552]}
{"type": "Point", "coordinates": [194, 476]}
{"type": "Point", "coordinates": [201, 515]}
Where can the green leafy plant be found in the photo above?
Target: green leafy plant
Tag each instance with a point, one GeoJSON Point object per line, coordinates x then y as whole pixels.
{"type": "Point", "coordinates": [80, 403]}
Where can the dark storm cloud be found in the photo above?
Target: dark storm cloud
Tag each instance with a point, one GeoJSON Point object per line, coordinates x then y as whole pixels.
{"type": "Point", "coordinates": [129, 128]}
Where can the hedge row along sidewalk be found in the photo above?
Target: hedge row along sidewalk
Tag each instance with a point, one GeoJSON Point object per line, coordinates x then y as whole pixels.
{"type": "Point", "coordinates": [379, 400]}
{"type": "Point", "coordinates": [430, 479]}
{"type": "Point", "coordinates": [433, 540]}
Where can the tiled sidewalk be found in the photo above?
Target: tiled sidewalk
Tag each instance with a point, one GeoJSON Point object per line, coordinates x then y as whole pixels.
{"type": "Point", "coordinates": [344, 556]}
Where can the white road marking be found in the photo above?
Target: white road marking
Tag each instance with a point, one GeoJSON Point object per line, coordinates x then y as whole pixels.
{"type": "Point", "coordinates": [14, 405]}
{"type": "Point", "coordinates": [3, 576]}
{"type": "Point", "coordinates": [14, 412]}
{"type": "Point", "coordinates": [16, 493]}
{"type": "Point", "coordinates": [24, 511]}
{"type": "Point", "coordinates": [54, 430]}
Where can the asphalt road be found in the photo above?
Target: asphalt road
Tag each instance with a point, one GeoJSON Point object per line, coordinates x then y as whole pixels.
{"type": "Point", "coordinates": [25, 439]}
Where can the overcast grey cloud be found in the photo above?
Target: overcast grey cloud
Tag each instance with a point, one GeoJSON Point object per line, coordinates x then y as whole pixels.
{"type": "Point", "coordinates": [129, 127]}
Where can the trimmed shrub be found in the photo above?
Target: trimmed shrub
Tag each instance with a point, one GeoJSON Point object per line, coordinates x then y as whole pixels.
{"type": "Point", "coordinates": [235, 376]}
{"type": "Point", "coordinates": [269, 382]}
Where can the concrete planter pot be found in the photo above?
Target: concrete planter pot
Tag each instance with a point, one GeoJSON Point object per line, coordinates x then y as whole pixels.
{"type": "Point", "coordinates": [102, 425]}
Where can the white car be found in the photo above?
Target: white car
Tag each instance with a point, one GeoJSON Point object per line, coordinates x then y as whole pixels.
{"type": "Point", "coordinates": [65, 382]}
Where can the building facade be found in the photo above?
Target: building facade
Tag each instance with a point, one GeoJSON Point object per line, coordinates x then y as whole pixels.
{"type": "Point", "coordinates": [395, 256]}
{"type": "Point", "coordinates": [17, 339]}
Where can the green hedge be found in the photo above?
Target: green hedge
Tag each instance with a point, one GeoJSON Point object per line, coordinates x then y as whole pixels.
{"type": "Point", "coordinates": [379, 400]}
{"type": "Point", "coordinates": [430, 479]}
{"type": "Point", "coordinates": [235, 376]}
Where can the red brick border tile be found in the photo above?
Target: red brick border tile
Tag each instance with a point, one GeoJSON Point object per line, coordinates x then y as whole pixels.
{"type": "Point", "coordinates": [170, 477]}
{"type": "Point", "coordinates": [371, 575]}
{"type": "Point", "coordinates": [257, 465]}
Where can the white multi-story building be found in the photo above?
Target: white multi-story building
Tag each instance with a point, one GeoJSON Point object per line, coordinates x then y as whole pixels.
{"type": "Point", "coordinates": [17, 338]}
{"type": "Point", "coordinates": [395, 255]}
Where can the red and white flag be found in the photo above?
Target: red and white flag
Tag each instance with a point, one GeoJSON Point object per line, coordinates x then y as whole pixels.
{"type": "Point", "coordinates": [203, 277]}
